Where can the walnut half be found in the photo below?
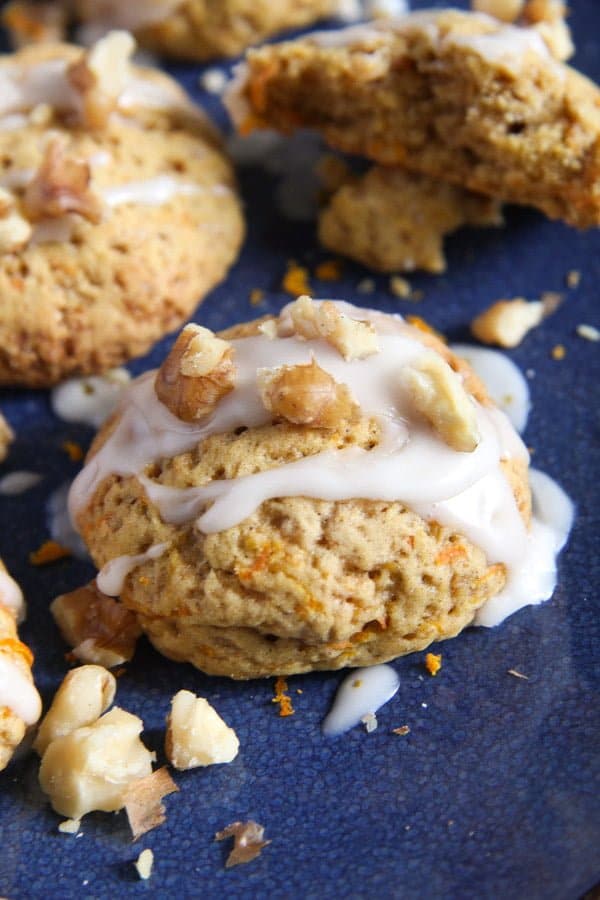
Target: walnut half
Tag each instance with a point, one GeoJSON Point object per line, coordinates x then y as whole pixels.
{"type": "Point", "coordinates": [306, 395]}
{"type": "Point", "coordinates": [61, 185]}
{"type": "Point", "coordinates": [198, 371]}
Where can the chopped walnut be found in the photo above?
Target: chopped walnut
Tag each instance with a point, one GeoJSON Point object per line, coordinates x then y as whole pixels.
{"type": "Point", "coordinates": [142, 801]}
{"type": "Point", "coordinates": [98, 628]}
{"type": "Point", "coordinates": [306, 395]}
{"type": "Point", "coordinates": [438, 394]}
{"type": "Point", "coordinates": [247, 841]}
{"type": "Point", "coordinates": [197, 735]}
{"type": "Point", "coordinates": [269, 329]}
{"type": "Point", "coordinates": [83, 696]}
{"type": "Point", "coordinates": [556, 34]}
{"type": "Point", "coordinates": [7, 436]}
{"type": "Point", "coordinates": [100, 76]}
{"type": "Point", "coordinates": [198, 371]}
{"type": "Point", "coordinates": [507, 322]}
{"type": "Point", "coordinates": [61, 185]}
{"type": "Point", "coordinates": [144, 864]}
{"type": "Point", "coordinates": [353, 338]}
{"type": "Point", "coordinates": [34, 23]}
{"type": "Point", "coordinates": [505, 10]}
{"type": "Point", "coordinates": [90, 768]}
{"type": "Point", "coordinates": [544, 11]}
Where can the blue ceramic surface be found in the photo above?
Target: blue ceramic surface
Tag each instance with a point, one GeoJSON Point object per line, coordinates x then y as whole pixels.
{"type": "Point", "coordinates": [494, 793]}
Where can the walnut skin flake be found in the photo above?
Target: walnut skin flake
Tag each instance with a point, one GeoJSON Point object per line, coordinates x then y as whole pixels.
{"type": "Point", "coordinates": [306, 395]}
{"type": "Point", "coordinates": [247, 841]}
{"type": "Point", "coordinates": [198, 371]}
{"type": "Point", "coordinates": [60, 186]}
{"type": "Point", "coordinates": [142, 801]}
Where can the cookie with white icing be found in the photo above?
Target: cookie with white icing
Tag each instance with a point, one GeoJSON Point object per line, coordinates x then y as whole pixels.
{"type": "Point", "coordinates": [118, 210]}
{"type": "Point", "coordinates": [325, 489]}
{"type": "Point", "coordinates": [392, 220]}
{"type": "Point", "coordinates": [204, 29]}
{"type": "Point", "coordinates": [20, 704]}
{"type": "Point", "coordinates": [452, 95]}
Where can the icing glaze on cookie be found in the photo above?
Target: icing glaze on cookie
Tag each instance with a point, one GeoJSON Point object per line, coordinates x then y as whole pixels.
{"type": "Point", "coordinates": [111, 577]}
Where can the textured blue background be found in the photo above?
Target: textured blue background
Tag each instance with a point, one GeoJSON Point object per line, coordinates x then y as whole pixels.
{"type": "Point", "coordinates": [494, 793]}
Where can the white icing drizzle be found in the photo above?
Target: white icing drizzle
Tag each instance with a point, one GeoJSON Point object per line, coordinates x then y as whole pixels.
{"type": "Point", "coordinates": [504, 381]}
{"type": "Point", "coordinates": [89, 399]}
{"type": "Point", "coordinates": [150, 191]}
{"type": "Point", "coordinates": [18, 693]}
{"type": "Point", "coordinates": [18, 482]}
{"type": "Point", "coordinates": [533, 578]}
{"type": "Point", "coordinates": [360, 694]}
{"type": "Point", "coordinates": [111, 577]}
{"type": "Point", "coordinates": [11, 596]}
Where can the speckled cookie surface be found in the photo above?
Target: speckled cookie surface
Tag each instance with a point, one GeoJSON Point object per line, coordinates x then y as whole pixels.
{"type": "Point", "coordinates": [300, 583]}
{"type": "Point", "coordinates": [93, 294]}
{"type": "Point", "coordinates": [208, 29]}
{"type": "Point", "coordinates": [453, 95]}
{"type": "Point", "coordinates": [392, 220]}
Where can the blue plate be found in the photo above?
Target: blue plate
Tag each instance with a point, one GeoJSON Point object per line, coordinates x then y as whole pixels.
{"type": "Point", "coordinates": [494, 793]}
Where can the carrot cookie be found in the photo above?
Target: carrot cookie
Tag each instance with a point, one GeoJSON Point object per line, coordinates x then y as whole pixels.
{"type": "Point", "coordinates": [20, 704]}
{"type": "Point", "coordinates": [453, 95]}
{"type": "Point", "coordinates": [118, 210]}
{"type": "Point", "coordinates": [329, 488]}
{"type": "Point", "coordinates": [204, 29]}
{"type": "Point", "coordinates": [392, 220]}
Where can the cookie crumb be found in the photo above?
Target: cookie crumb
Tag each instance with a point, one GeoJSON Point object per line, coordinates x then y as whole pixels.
{"type": "Point", "coordinates": [518, 674]}
{"type": "Point", "coordinates": [366, 286]}
{"type": "Point", "coordinates": [588, 332]}
{"type": "Point", "coordinates": [48, 552]}
{"type": "Point", "coordinates": [400, 287]}
{"type": "Point", "coordinates": [213, 81]}
{"type": "Point", "coordinates": [144, 864]}
{"type": "Point", "coordinates": [573, 278]}
{"type": "Point", "coordinates": [329, 270]}
{"type": "Point", "coordinates": [69, 826]}
{"type": "Point", "coordinates": [295, 281]}
{"type": "Point", "coordinates": [369, 720]}
{"type": "Point", "coordinates": [257, 295]}
{"type": "Point", "coordinates": [247, 841]}
{"type": "Point", "coordinates": [402, 730]}
{"type": "Point", "coordinates": [284, 701]}
{"type": "Point", "coordinates": [73, 450]}
{"type": "Point", "coordinates": [433, 663]}
{"type": "Point", "coordinates": [558, 351]}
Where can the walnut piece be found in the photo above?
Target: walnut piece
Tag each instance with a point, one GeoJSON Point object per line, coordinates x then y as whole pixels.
{"type": "Point", "coordinates": [247, 841]}
{"type": "Point", "coordinates": [61, 185]}
{"type": "Point", "coordinates": [505, 10]}
{"type": "Point", "coordinates": [196, 374]}
{"type": "Point", "coordinates": [197, 735]}
{"type": "Point", "coordinates": [83, 696]}
{"type": "Point", "coordinates": [7, 436]}
{"type": "Point", "coordinates": [306, 395]}
{"type": "Point", "coordinates": [98, 628]}
{"type": "Point", "coordinates": [544, 11]}
{"type": "Point", "coordinates": [438, 394]}
{"type": "Point", "coordinates": [90, 768]}
{"type": "Point", "coordinates": [507, 322]}
{"type": "Point", "coordinates": [100, 77]}
{"type": "Point", "coordinates": [142, 801]}
{"type": "Point", "coordinates": [353, 338]}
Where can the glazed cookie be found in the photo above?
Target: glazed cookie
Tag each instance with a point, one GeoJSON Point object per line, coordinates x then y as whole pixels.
{"type": "Point", "coordinates": [20, 704]}
{"type": "Point", "coordinates": [392, 220]}
{"type": "Point", "coordinates": [118, 210]}
{"type": "Point", "coordinates": [329, 488]}
{"type": "Point", "coordinates": [453, 95]}
{"type": "Point", "coordinates": [204, 29]}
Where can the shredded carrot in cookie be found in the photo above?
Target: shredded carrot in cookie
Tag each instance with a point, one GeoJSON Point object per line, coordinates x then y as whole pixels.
{"type": "Point", "coordinates": [295, 281]}
{"type": "Point", "coordinates": [49, 552]}
{"type": "Point", "coordinates": [73, 450]}
{"type": "Point", "coordinates": [284, 701]}
{"type": "Point", "coordinates": [422, 325]}
{"type": "Point", "coordinates": [329, 270]}
{"type": "Point", "coordinates": [433, 663]}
